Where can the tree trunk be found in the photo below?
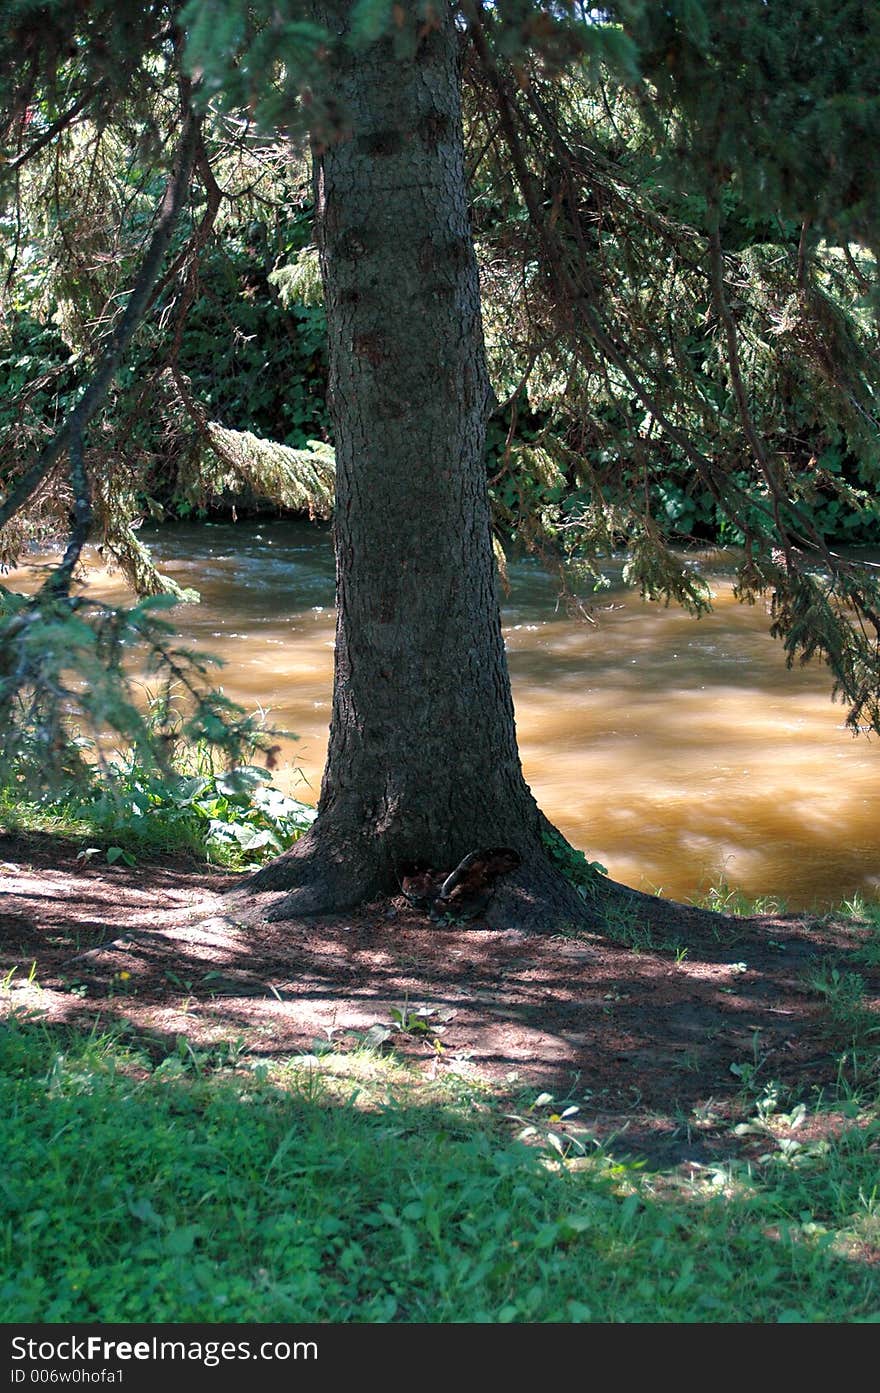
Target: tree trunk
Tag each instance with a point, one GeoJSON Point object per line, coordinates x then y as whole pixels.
{"type": "Point", "coordinates": [423, 765]}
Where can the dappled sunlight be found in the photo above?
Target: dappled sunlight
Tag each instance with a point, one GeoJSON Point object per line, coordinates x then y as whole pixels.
{"type": "Point", "coordinates": [472, 1197]}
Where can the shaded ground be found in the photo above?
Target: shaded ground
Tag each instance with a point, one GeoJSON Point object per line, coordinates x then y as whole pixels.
{"type": "Point", "coordinates": [643, 1041]}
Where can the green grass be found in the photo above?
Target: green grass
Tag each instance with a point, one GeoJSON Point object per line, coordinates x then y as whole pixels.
{"type": "Point", "coordinates": [865, 915]}
{"type": "Point", "coordinates": [624, 924]}
{"type": "Point", "coordinates": [183, 1186]}
{"type": "Point", "coordinates": [725, 898]}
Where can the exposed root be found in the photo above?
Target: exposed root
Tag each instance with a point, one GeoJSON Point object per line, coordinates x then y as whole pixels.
{"type": "Point", "coordinates": [537, 899]}
{"type": "Point", "coordinates": [312, 877]}
{"type": "Point", "coordinates": [323, 874]}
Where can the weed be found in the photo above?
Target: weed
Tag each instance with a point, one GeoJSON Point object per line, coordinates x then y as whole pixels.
{"type": "Point", "coordinates": [849, 1019]}
{"type": "Point", "coordinates": [866, 916]}
{"type": "Point", "coordinates": [724, 898]}
{"type": "Point", "coordinates": [857, 907]}
{"type": "Point", "coordinates": [420, 1020]}
{"type": "Point", "coordinates": [747, 1071]}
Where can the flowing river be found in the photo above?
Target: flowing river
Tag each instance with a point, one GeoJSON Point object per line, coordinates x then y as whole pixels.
{"type": "Point", "coordinates": [675, 751]}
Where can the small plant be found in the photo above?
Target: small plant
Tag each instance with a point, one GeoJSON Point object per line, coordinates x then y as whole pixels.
{"type": "Point", "coordinates": [867, 917]}
{"type": "Point", "coordinates": [866, 911]}
{"type": "Point", "coordinates": [421, 1021]}
{"type": "Point", "coordinates": [747, 1071]}
{"type": "Point", "coordinates": [724, 898]}
{"type": "Point", "coordinates": [583, 874]}
{"type": "Point", "coordinates": [849, 1018]}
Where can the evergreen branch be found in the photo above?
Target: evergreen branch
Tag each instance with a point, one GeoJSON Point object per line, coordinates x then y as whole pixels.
{"type": "Point", "coordinates": [59, 582]}
{"type": "Point", "coordinates": [575, 295]}
{"type": "Point", "coordinates": [762, 459]}
{"type": "Point", "coordinates": [120, 337]}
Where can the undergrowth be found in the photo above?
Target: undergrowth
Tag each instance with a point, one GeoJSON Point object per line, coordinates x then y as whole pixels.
{"type": "Point", "coordinates": [193, 805]}
{"type": "Point", "coordinates": [725, 898]}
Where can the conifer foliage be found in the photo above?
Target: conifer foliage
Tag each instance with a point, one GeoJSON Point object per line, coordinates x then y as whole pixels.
{"type": "Point", "coordinates": [675, 211]}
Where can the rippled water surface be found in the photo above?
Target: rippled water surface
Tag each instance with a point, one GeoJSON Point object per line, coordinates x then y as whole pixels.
{"type": "Point", "coordinates": [673, 750]}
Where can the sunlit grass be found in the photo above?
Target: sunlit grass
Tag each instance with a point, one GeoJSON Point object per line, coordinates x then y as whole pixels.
{"type": "Point", "coordinates": [203, 1185]}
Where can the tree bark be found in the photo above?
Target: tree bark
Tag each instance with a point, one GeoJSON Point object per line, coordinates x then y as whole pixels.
{"type": "Point", "coordinates": [423, 765]}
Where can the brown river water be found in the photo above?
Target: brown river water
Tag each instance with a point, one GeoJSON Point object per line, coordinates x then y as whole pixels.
{"type": "Point", "coordinates": [674, 751]}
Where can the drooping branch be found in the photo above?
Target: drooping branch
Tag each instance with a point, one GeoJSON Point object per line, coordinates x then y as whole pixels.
{"type": "Point", "coordinates": [58, 583]}
{"type": "Point", "coordinates": [120, 337]}
{"type": "Point", "coordinates": [756, 444]}
{"type": "Point", "coordinates": [833, 618]}
{"type": "Point", "coordinates": [578, 299]}
{"type": "Point", "coordinates": [579, 294]}
{"type": "Point", "coordinates": [807, 534]}
{"type": "Point", "coordinates": [48, 135]}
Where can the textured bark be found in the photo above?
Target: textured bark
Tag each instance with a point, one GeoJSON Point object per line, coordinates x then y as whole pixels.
{"type": "Point", "coordinates": [423, 763]}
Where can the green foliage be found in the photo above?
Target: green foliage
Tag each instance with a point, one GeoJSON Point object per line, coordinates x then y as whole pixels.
{"type": "Point", "coordinates": [54, 56]}
{"type": "Point", "coordinates": [73, 244]}
{"type": "Point", "coordinates": [66, 688]}
{"type": "Point", "coordinates": [299, 282]}
{"type": "Point", "coordinates": [683, 361]}
{"type": "Point", "coordinates": [231, 817]}
{"type": "Point", "coordinates": [155, 1181]}
{"type": "Point", "coordinates": [254, 355]}
{"type": "Point", "coordinates": [676, 216]}
{"type": "Point", "coordinates": [573, 864]}
{"type": "Point", "coordinates": [240, 462]}
{"type": "Point", "coordinates": [261, 57]}
{"type": "Point", "coordinates": [784, 101]}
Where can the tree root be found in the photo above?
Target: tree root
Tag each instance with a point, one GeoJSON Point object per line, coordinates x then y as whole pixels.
{"type": "Point", "coordinates": [313, 878]}
{"type": "Point", "coordinates": [537, 899]}
{"type": "Point", "coordinates": [323, 874]}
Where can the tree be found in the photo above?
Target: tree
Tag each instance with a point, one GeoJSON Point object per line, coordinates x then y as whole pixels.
{"type": "Point", "coordinates": [423, 765]}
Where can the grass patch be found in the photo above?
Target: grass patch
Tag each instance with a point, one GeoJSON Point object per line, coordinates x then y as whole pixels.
{"type": "Point", "coordinates": [185, 1187]}
{"type": "Point", "coordinates": [850, 1020]}
{"type": "Point", "coordinates": [624, 924]}
{"type": "Point", "coordinates": [724, 898]}
{"type": "Point", "coordinates": [865, 915]}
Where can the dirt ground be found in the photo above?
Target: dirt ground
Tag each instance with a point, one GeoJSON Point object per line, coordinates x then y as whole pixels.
{"type": "Point", "coordinates": [643, 1042]}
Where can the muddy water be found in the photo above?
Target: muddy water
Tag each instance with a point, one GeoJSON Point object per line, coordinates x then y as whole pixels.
{"type": "Point", "coordinates": [675, 751]}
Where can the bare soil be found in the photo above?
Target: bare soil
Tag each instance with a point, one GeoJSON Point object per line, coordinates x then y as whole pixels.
{"type": "Point", "coordinates": [642, 1041]}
